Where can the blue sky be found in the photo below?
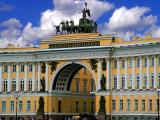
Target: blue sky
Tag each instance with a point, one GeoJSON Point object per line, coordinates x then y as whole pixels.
{"type": "Point", "coordinates": [25, 22]}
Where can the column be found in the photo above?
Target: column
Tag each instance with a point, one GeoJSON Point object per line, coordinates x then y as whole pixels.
{"type": "Point", "coordinates": [118, 73]}
{"type": "Point", "coordinates": [108, 75]}
{"type": "Point", "coordinates": [133, 73]}
{"type": "Point", "coordinates": [39, 77]}
{"type": "Point", "coordinates": [33, 77]}
{"type": "Point", "coordinates": [25, 77]}
{"type": "Point", "coordinates": [0, 77]}
{"type": "Point", "coordinates": [148, 73]}
{"type": "Point", "coordinates": [99, 75]}
{"type": "Point", "coordinates": [155, 72]}
{"type": "Point", "coordinates": [46, 80]}
{"type": "Point", "coordinates": [126, 73]}
{"type": "Point", "coordinates": [141, 75]}
{"type": "Point", "coordinates": [9, 78]}
{"type": "Point", "coordinates": [17, 78]}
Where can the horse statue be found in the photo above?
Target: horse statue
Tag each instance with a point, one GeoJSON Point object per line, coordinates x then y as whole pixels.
{"type": "Point", "coordinates": [63, 27]}
{"type": "Point", "coordinates": [67, 27]}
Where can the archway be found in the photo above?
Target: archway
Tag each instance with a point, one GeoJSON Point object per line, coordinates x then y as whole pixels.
{"type": "Point", "coordinates": [75, 81]}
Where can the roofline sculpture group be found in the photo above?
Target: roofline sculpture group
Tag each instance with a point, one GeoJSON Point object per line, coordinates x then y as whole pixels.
{"type": "Point", "coordinates": [85, 25]}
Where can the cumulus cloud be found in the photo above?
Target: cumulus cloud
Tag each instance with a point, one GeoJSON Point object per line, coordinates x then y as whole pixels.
{"type": "Point", "coordinates": [64, 10]}
{"type": "Point", "coordinates": [154, 31]}
{"type": "Point", "coordinates": [128, 22]}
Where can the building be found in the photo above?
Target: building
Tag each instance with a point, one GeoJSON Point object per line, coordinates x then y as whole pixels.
{"type": "Point", "coordinates": [66, 68]}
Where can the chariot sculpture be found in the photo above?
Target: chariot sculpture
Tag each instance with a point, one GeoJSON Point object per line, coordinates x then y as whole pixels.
{"type": "Point", "coordinates": [85, 25]}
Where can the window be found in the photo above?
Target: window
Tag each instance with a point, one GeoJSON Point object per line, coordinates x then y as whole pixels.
{"type": "Point", "coordinates": [3, 106]}
{"type": "Point", "coordinates": [35, 105]}
{"type": "Point", "coordinates": [145, 80]}
{"type": "Point", "coordinates": [5, 69]}
{"type": "Point", "coordinates": [22, 85]}
{"type": "Point", "coordinates": [123, 81]}
{"type": "Point", "coordinates": [128, 105]}
{"type": "Point", "coordinates": [145, 62]}
{"type": "Point", "coordinates": [77, 106]}
{"type": "Point", "coordinates": [115, 81]}
{"type": "Point", "coordinates": [113, 104]}
{"type": "Point", "coordinates": [159, 79]}
{"type": "Point", "coordinates": [30, 67]}
{"type": "Point", "coordinates": [130, 63]}
{"type": "Point", "coordinates": [30, 84]}
{"type": "Point", "coordinates": [20, 105]}
{"type": "Point", "coordinates": [5, 85]}
{"type": "Point", "coordinates": [28, 105]}
{"type": "Point", "coordinates": [138, 62]}
{"type": "Point", "coordinates": [152, 79]}
{"type": "Point", "coordinates": [85, 86]}
{"type": "Point", "coordinates": [138, 81]}
{"type": "Point", "coordinates": [143, 105]}
{"type": "Point", "coordinates": [14, 68]}
{"type": "Point", "coordinates": [12, 106]}
{"type": "Point", "coordinates": [13, 84]}
{"type": "Point", "coordinates": [121, 105]}
{"type": "Point", "coordinates": [150, 105]}
{"type": "Point", "coordinates": [123, 64]}
{"type": "Point", "coordinates": [92, 86]}
{"type": "Point", "coordinates": [84, 106]}
{"type": "Point", "coordinates": [135, 105]}
{"type": "Point", "coordinates": [130, 80]}
{"type": "Point", "coordinates": [152, 64]}
{"type": "Point", "coordinates": [77, 86]}
{"type": "Point", "coordinates": [115, 64]}
{"type": "Point", "coordinates": [22, 68]}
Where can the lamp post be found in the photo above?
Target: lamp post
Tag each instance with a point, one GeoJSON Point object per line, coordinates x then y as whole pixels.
{"type": "Point", "coordinates": [158, 92]}
{"type": "Point", "coordinates": [16, 95]}
{"type": "Point", "coordinates": [92, 93]}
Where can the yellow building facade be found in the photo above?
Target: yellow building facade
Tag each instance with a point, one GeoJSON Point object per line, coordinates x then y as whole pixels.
{"type": "Point", "coordinates": [65, 69]}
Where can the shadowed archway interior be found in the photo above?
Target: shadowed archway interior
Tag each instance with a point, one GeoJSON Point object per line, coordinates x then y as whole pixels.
{"type": "Point", "coordinates": [65, 76]}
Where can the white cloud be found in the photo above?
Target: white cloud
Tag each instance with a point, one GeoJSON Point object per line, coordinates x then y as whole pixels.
{"type": "Point", "coordinates": [5, 7]}
{"type": "Point", "coordinates": [154, 31]}
{"type": "Point", "coordinates": [64, 10]}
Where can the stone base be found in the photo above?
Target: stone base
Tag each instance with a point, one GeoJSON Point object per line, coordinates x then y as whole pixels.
{"type": "Point", "coordinates": [101, 117]}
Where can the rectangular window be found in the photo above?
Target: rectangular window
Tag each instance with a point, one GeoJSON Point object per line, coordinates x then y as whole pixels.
{"type": "Point", "coordinates": [115, 64]}
{"type": "Point", "coordinates": [5, 85]}
{"type": "Point", "coordinates": [130, 63]}
{"type": "Point", "coordinates": [138, 81]}
{"type": "Point", "coordinates": [30, 84]}
{"type": "Point", "coordinates": [22, 85]}
{"type": "Point", "coordinates": [84, 106]}
{"type": "Point", "coordinates": [159, 79]}
{"type": "Point", "coordinates": [13, 84]}
{"type": "Point", "coordinates": [136, 105]}
{"type": "Point", "coordinates": [30, 68]}
{"type": "Point", "coordinates": [77, 106]}
{"type": "Point", "coordinates": [150, 105]}
{"type": "Point", "coordinates": [5, 68]}
{"type": "Point", "coordinates": [145, 80]}
{"type": "Point", "coordinates": [20, 105]}
{"type": "Point", "coordinates": [85, 86]}
{"type": "Point", "coordinates": [143, 105]}
{"type": "Point", "coordinates": [152, 79]}
{"type": "Point", "coordinates": [77, 86]}
{"type": "Point", "coordinates": [145, 62]}
{"type": "Point", "coordinates": [28, 105]}
{"type": "Point", "coordinates": [130, 80]}
{"type": "Point", "coordinates": [22, 68]}
{"type": "Point", "coordinates": [138, 62]}
{"type": "Point", "coordinates": [128, 105]}
{"type": "Point", "coordinates": [12, 106]}
{"type": "Point", "coordinates": [14, 68]}
{"type": "Point", "coordinates": [123, 64]}
{"type": "Point", "coordinates": [3, 106]}
{"type": "Point", "coordinates": [123, 81]}
{"type": "Point", "coordinates": [115, 81]}
{"type": "Point", "coordinates": [113, 104]}
{"type": "Point", "coordinates": [92, 86]}
{"type": "Point", "coordinates": [121, 105]}
{"type": "Point", "coordinates": [35, 105]}
{"type": "Point", "coordinates": [152, 64]}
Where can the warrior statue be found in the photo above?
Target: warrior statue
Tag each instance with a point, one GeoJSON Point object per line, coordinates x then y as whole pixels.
{"type": "Point", "coordinates": [58, 29]}
{"type": "Point", "coordinates": [85, 12]}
